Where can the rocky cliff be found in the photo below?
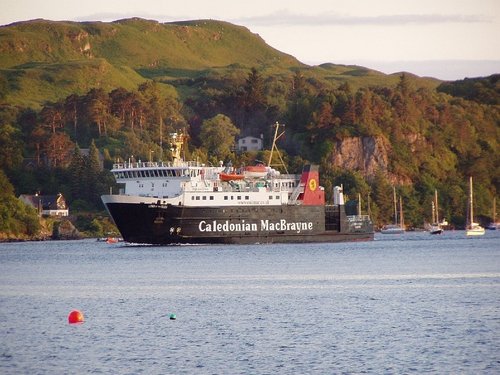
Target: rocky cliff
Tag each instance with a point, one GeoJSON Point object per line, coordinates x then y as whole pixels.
{"type": "Point", "coordinates": [364, 154]}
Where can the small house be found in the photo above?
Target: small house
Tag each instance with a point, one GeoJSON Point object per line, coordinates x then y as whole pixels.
{"type": "Point", "coordinates": [47, 205]}
{"type": "Point", "coordinates": [250, 143]}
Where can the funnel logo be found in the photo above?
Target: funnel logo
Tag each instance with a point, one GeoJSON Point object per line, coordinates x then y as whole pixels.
{"type": "Point", "coordinates": [312, 184]}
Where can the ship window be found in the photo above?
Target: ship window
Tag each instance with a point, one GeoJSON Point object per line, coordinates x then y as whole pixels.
{"type": "Point", "coordinates": [225, 197]}
{"type": "Point", "coordinates": [211, 197]}
{"type": "Point", "coordinates": [197, 198]}
{"type": "Point", "coordinates": [192, 198]}
{"type": "Point", "coordinates": [277, 197]}
{"type": "Point", "coordinates": [204, 197]}
{"type": "Point", "coordinates": [232, 197]}
{"type": "Point", "coordinates": [270, 197]}
{"type": "Point", "coordinates": [239, 197]}
{"type": "Point", "coordinates": [247, 197]}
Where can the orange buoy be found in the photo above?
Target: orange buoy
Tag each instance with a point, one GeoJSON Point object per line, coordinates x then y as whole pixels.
{"type": "Point", "coordinates": [75, 317]}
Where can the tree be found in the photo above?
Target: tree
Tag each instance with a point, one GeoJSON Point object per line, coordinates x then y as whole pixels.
{"type": "Point", "coordinates": [71, 104]}
{"type": "Point", "coordinates": [16, 218]}
{"type": "Point", "coordinates": [52, 116]}
{"type": "Point", "coordinates": [383, 198]}
{"type": "Point", "coordinates": [98, 109]}
{"type": "Point", "coordinates": [254, 91]}
{"type": "Point", "coordinates": [77, 173]}
{"type": "Point", "coordinates": [217, 136]}
{"type": "Point", "coordinates": [11, 147]}
{"type": "Point", "coordinates": [58, 150]}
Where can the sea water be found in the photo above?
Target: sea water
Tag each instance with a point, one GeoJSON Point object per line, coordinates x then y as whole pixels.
{"type": "Point", "coordinates": [412, 303]}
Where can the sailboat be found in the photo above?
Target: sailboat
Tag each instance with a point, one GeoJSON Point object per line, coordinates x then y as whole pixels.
{"type": "Point", "coordinates": [436, 227]}
{"type": "Point", "coordinates": [396, 228]}
{"type": "Point", "coordinates": [494, 225]}
{"type": "Point", "coordinates": [472, 228]}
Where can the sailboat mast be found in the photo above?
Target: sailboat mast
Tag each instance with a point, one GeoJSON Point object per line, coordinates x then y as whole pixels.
{"type": "Point", "coordinates": [494, 209]}
{"type": "Point", "coordinates": [433, 220]}
{"type": "Point", "coordinates": [436, 205]}
{"type": "Point", "coordinates": [395, 205]}
{"type": "Point", "coordinates": [471, 204]}
{"type": "Point", "coordinates": [401, 217]}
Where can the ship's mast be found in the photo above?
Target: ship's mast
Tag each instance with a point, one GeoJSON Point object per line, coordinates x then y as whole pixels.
{"type": "Point", "coordinates": [274, 147]}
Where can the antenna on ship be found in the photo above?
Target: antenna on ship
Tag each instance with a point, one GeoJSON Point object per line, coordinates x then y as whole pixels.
{"type": "Point", "coordinates": [274, 147]}
{"type": "Point", "coordinates": [161, 139]}
{"type": "Point", "coordinates": [177, 146]}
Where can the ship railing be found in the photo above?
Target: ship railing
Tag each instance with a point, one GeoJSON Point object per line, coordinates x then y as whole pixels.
{"type": "Point", "coordinates": [358, 218]}
{"type": "Point", "coordinates": [286, 177]}
{"type": "Point", "coordinates": [156, 164]}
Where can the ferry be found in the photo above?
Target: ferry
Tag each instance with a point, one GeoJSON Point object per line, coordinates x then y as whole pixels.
{"type": "Point", "coordinates": [186, 202]}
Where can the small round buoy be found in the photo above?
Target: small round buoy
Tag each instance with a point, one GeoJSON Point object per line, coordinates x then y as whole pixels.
{"type": "Point", "coordinates": [172, 317]}
{"type": "Point", "coordinates": [75, 317]}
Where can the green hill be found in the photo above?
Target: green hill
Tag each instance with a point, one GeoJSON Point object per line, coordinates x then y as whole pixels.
{"type": "Point", "coordinates": [43, 61]}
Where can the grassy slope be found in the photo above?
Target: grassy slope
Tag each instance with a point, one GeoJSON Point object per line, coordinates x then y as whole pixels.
{"type": "Point", "coordinates": [45, 60]}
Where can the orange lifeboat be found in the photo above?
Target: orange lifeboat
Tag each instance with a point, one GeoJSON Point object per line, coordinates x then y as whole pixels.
{"type": "Point", "coordinates": [230, 176]}
{"type": "Point", "coordinates": [255, 171]}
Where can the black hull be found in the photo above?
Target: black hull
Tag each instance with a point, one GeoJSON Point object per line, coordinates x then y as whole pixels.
{"type": "Point", "coordinates": [169, 224]}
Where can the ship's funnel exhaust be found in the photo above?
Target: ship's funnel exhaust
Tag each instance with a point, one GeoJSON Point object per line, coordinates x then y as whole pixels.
{"type": "Point", "coordinates": [313, 193]}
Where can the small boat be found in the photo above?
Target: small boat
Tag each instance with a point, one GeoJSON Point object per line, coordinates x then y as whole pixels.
{"type": "Point", "coordinates": [472, 228]}
{"type": "Point", "coordinates": [396, 228]}
{"type": "Point", "coordinates": [494, 225]}
{"type": "Point", "coordinates": [435, 227]}
{"type": "Point", "coordinates": [392, 229]}
{"type": "Point", "coordinates": [111, 240]}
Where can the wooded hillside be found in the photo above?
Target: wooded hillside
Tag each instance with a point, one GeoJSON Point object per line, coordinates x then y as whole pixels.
{"type": "Point", "coordinates": [66, 86]}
